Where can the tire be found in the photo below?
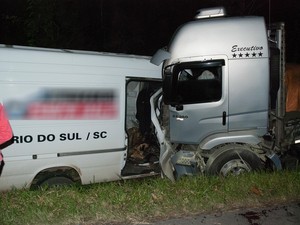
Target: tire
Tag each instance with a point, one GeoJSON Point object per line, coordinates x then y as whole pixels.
{"type": "Point", "coordinates": [233, 159]}
{"type": "Point", "coordinates": [56, 182]}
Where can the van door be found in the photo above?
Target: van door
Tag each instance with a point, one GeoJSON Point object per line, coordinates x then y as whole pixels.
{"type": "Point", "coordinates": [143, 149]}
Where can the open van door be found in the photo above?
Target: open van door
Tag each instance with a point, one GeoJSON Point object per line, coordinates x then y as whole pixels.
{"type": "Point", "coordinates": [165, 147]}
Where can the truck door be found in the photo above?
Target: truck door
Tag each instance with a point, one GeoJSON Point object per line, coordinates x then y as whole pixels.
{"type": "Point", "coordinates": [198, 100]}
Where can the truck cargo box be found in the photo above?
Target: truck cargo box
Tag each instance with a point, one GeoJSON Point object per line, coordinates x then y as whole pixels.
{"type": "Point", "coordinates": [292, 81]}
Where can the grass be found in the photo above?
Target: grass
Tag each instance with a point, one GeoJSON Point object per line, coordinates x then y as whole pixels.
{"type": "Point", "coordinates": [147, 199]}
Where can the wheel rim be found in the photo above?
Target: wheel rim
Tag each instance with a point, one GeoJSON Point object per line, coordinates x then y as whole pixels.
{"type": "Point", "coordinates": [234, 167]}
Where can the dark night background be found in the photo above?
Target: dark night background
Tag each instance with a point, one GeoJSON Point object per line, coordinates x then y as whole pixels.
{"type": "Point", "coordinates": [126, 26]}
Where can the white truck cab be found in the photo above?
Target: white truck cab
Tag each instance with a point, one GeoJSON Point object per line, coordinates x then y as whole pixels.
{"type": "Point", "coordinates": [217, 85]}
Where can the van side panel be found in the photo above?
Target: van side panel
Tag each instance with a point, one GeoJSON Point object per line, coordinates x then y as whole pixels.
{"type": "Point", "coordinates": [66, 110]}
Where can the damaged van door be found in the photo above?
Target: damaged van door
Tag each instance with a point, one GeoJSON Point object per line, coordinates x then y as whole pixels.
{"type": "Point", "coordinates": [143, 152]}
{"type": "Point", "coordinates": [159, 115]}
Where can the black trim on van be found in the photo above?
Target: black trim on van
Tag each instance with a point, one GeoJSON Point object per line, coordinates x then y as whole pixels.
{"type": "Point", "coordinates": [90, 152]}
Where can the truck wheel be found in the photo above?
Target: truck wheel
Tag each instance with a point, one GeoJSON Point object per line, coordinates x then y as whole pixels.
{"type": "Point", "coordinates": [233, 159]}
{"type": "Point", "coordinates": [56, 182]}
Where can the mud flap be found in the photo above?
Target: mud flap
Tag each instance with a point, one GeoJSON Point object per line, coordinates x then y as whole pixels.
{"type": "Point", "coordinates": [275, 159]}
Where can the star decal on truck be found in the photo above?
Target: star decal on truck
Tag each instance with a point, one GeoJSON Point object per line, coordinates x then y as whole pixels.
{"type": "Point", "coordinates": [247, 55]}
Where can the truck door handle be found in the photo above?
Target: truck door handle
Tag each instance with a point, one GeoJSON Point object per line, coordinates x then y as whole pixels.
{"type": "Point", "coordinates": [224, 119]}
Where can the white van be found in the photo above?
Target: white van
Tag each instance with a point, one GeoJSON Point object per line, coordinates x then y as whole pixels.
{"type": "Point", "coordinates": [75, 116]}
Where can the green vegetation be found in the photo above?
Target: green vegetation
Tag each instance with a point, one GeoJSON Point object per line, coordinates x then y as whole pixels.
{"type": "Point", "coordinates": [147, 199]}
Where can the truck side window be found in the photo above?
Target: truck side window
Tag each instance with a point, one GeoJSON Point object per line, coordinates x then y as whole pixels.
{"type": "Point", "coordinates": [199, 85]}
